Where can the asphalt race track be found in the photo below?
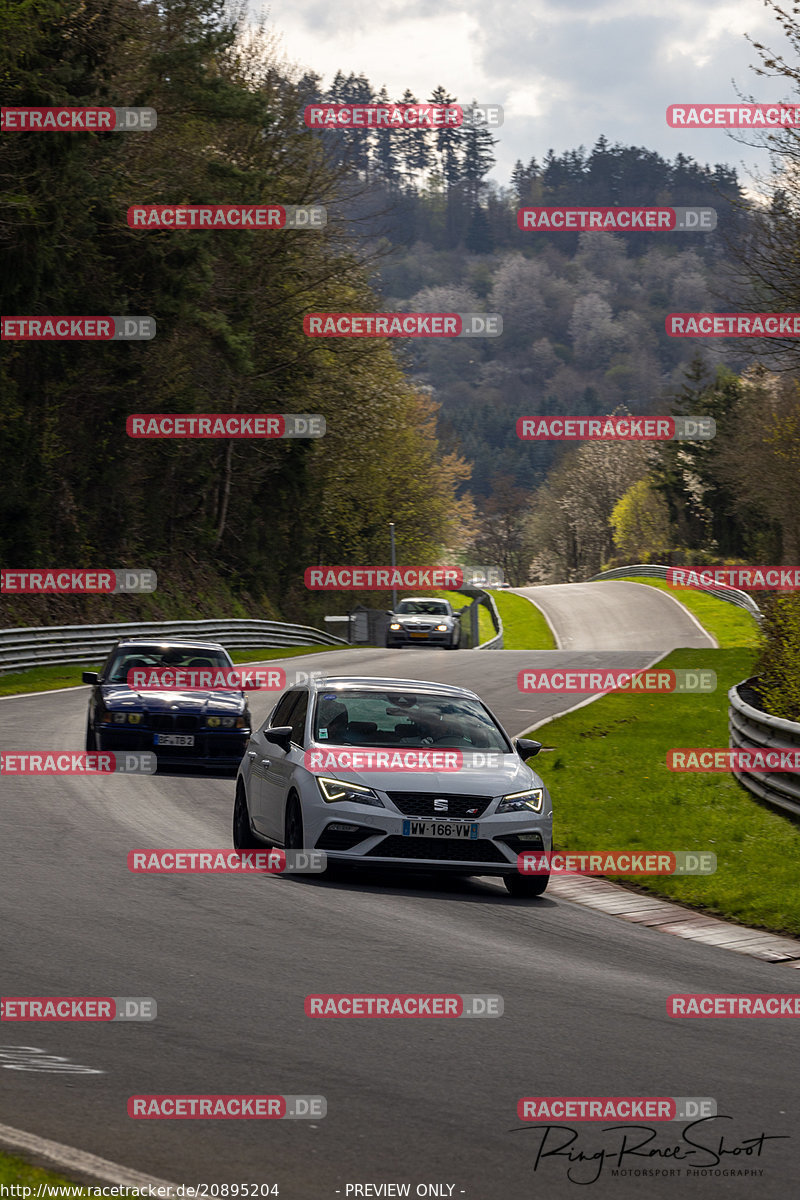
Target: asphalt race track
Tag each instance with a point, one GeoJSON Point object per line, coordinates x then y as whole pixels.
{"type": "Point", "coordinates": [229, 961]}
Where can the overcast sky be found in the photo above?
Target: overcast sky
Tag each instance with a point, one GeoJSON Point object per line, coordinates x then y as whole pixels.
{"type": "Point", "coordinates": [565, 71]}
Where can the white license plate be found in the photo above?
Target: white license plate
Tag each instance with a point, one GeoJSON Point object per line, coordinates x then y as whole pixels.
{"type": "Point", "coordinates": [173, 739]}
{"type": "Point", "coordinates": [441, 829]}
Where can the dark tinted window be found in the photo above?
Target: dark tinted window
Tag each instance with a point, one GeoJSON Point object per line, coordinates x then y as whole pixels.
{"type": "Point", "coordinates": [283, 709]}
{"type": "Point", "coordinates": [298, 719]}
{"type": "Point", "coordinates": [137, 658]}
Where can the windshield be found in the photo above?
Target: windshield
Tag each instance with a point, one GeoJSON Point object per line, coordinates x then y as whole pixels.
{"type": "Point", "coordinates": [372, 717]}
{"type": "Point", "coordinates": [431, 607]}
{"type": "Point", "coordinates": [138, 659]}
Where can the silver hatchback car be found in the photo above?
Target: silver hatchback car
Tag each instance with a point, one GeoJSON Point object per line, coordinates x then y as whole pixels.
{"type": "Point", "coordinates": [396, 773]}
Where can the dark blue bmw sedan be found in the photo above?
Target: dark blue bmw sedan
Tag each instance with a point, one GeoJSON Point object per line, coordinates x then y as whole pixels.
{"type": "Point", "coordinates": [190, 727]}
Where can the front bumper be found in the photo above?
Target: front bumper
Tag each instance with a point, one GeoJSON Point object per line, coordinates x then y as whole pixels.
{"type": "Point", "coordinates": [378, 840]}
{"type": "Point", "coordinates": [211, 749]}
{"type": "Point", "coordinates": [401, 637]}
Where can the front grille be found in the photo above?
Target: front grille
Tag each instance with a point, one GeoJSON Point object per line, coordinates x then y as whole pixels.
{"type": "Point", "coordinates": [343, 839]}
{"type": "Point", "coordinates": [420, 804]}
{"type": "Point", "coordinates": [173, 723]}
{"type": "Point", "coordinates": [438, 848]}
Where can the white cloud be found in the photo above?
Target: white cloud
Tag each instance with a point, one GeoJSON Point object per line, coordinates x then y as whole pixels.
{"type": "Point", "coordinates": [565, 71]}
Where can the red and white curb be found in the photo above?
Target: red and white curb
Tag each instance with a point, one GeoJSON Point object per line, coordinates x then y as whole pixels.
{"type": "Point", "coordinates": [666, 917]}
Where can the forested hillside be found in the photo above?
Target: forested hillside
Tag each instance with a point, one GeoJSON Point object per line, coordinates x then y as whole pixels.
{"type": "Point", "coordinates": [419, 432]}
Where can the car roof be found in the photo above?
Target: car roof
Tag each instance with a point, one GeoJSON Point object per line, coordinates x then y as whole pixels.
{"type": "Point", "coordinates": [367, 681]}
{"type": "Point", "coordinates": [166, 644]}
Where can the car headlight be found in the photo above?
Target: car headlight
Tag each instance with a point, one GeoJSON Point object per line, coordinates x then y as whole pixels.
{"type": "Point", "coordinates": [243, 722]}
{"type": "Point", "coordinates": [134, 718]}
{"type": "Point", "coordinates": [213, 722]}
{"type": "Point", "coordinates": [395, 625]}
{"type": "Point", "coordinates": [120, 718]}
{"type": "Point", "coordinates": [442, 628]}
{"type": "Point", "coordinates": [530, 800]}
{"type": "Point", "coordinates": [334, 790]}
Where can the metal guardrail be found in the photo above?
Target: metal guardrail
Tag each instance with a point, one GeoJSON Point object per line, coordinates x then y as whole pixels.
{"type": "Point", "coordinates": [656, 571]}
{"type": "Point", "coordinates": [37, 646]}
{"type": "Point", "coordinates": [481, 597]}
{"type": "Point", "coordinates": [751, 728]}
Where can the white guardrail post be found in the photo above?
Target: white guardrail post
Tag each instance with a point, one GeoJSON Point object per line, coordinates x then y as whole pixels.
{"type": "Point", "coordinates": [751, 728]}
{"type": "Point", "coordinates": [37, 646]}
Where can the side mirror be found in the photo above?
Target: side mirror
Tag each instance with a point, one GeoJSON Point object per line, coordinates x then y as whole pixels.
{"type": "Point", "coordinates": [90, 677]}
{"type": "Point", "coordinates": [281, 736]}
{"type": "Point", "coordinates": [527, 747]}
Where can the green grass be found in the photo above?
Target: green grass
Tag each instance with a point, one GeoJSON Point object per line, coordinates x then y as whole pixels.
{"type": "Point", "coordinates": [524, 625]}
{"type": "Point", "coordinates": [44, 679]}
{"type": "Point", "coordinates": [458, 601]}
{"type": "Point", "coordinates": [15, 1172]}
{"type": "Point", "coordinates": [612, 790]}
{"type": "Point", "coordinates": [731, 626]}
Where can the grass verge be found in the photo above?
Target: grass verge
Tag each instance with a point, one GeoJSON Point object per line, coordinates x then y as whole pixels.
{"type": "Point", "coordinates": [16, 1173]}
{"type": "Point", "coordinates": [612, 790]}
{"type": "Point", "coordinates": [731, 626]}
{"type": "Point", "coordinates": [524, 625]}
{"type": "Point", "coordinates": [45, 679]}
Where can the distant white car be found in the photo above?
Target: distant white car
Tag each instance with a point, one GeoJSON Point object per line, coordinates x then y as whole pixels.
{"type": "Point", "coordinates": [423, 620]}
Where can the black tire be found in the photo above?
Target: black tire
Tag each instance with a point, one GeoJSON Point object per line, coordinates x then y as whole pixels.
{"type": "Point", "coordinates": [91, 744]}
{"type": "Point", "coordinates": [454, 645]}
{"type": "Point", "coordinates": [524, 887]}
{"type": "Point", "coordinates": [243, 836]}
{"type": "Point", "coordinates": [293, 825]}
